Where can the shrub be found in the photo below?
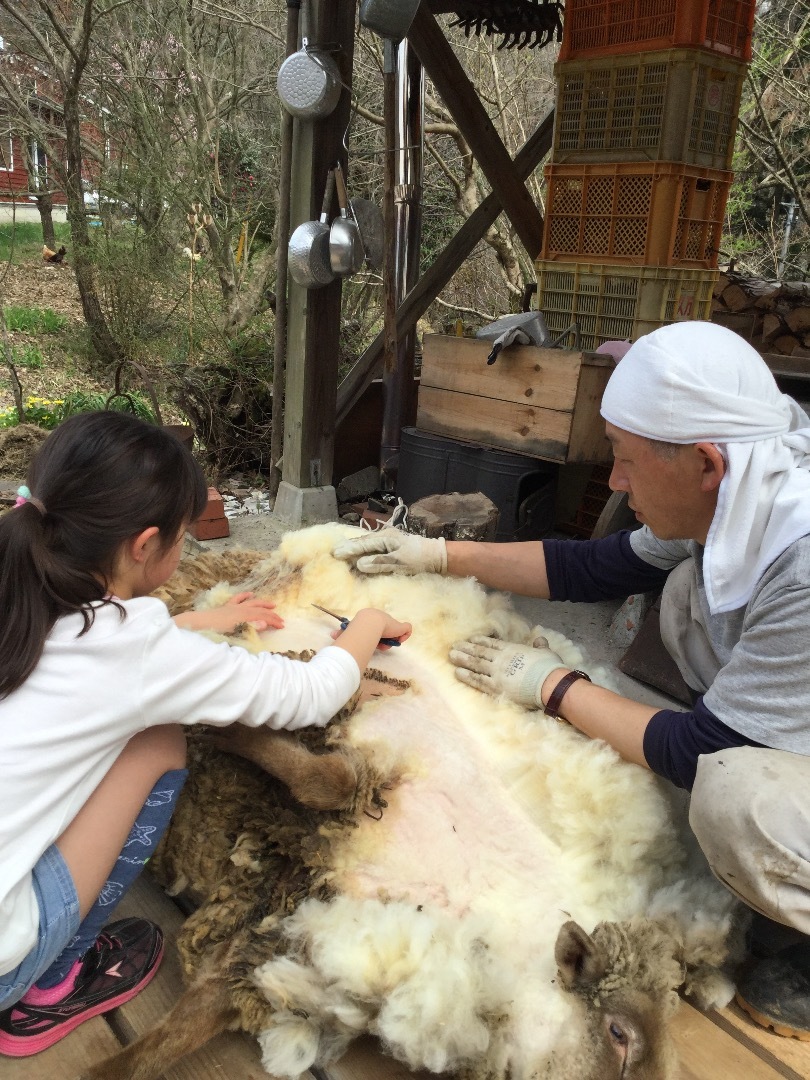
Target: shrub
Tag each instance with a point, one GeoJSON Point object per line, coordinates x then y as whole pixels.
{"type": "Point", "coordinates": [43, 412]}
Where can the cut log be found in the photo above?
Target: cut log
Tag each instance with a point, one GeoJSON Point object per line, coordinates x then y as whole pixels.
{"type": "Point", "coordinates": [798, 320]}
{"type": "Point", "coordinates": [736, 298]}
{"type": "Point", "coordinates": [785, 343]}
{"type": "Point", "coordinates": [741, 322]}
{"type": "Point", "coordinates": [795, 292]}
{"type": "Point", "coordinates": [454, 516]}
{"type": "Point", "coordinates": [723, 281]}
{"type": "Point", "coordinates": [771, 327]}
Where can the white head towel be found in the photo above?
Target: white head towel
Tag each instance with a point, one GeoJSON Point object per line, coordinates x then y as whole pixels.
{"type": "Point", "coordinates": [697, 382]}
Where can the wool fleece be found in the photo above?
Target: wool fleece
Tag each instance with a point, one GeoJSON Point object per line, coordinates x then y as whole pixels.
{"type": "Point", "coordinates": [433, 924]}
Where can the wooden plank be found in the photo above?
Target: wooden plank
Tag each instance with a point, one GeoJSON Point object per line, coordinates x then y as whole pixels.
{"type": "Point", "coordinates": [364, 1060]}
{"type": "Point", "coordinates": [458, 94]}
{"type": "Point", "coordinates": [523, 374]}
{"type": "Point", "coordinates": [442, 269]}
{"type": "Point", "coordinates": [790, 1057]}
{"type": "Point", "coordinates": [540, 433]}
{"type": "Point", "coordinates": [706, 1052]}
{"type": "Point", "coordinates": [798, 367]}
{"type": "Point", "coordinates": [588, 442]}
{"type": "Point", "coordinates": [230, 1056]}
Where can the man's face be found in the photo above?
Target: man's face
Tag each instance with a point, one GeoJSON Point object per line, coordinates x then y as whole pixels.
{"type": "Point", "coordinates": [665, 493]}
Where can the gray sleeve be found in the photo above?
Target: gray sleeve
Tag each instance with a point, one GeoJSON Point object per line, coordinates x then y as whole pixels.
{"type": "Point", "coordinates": [665, 554]}
{"type": "Point", "coordinates": [764, 690]}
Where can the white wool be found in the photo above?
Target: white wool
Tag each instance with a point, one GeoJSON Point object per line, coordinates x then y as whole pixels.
{"type": "Point", "coordinates": [441, 939]}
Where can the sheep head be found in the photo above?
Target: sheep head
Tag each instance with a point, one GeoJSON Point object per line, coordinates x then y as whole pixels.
{"type": "Point", "coordinates": [625, 976]}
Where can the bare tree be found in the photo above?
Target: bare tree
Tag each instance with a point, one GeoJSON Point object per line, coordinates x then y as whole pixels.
{"type": "Point", "coordinates": [773, 161]}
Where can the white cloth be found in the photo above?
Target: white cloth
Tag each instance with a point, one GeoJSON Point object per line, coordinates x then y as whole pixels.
{"type": "Point", "coordinates": [696, 382]}
{"type": "Point", "coordinates": [65, 726]}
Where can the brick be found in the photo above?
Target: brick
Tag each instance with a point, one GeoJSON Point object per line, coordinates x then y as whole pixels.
{"type": "Point", "coordinates": [214, 529]}
{"type": "Point", "coordinates": [214, 508]}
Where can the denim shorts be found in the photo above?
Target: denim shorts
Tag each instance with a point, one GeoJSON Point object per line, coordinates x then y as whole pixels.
{"type": "Point", "coordinates": [58, 922]}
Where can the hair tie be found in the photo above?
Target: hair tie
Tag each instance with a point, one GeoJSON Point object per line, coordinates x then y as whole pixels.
{"type": "Point", "coordinates": [24, 496]}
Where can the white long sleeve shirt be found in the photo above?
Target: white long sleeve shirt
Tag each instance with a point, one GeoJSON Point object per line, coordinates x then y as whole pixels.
{"type": "Point", "coordinates": [65, 726]}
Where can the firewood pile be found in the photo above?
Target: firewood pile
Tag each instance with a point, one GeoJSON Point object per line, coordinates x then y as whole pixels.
{"type": "Point", "coordinates": [774, 316]}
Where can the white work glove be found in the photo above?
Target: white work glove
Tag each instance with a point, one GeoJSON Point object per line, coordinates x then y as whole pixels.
{"type": "Point", "coordinates": [503, 667]}
{"type": "Point", "coordinates": [389, 551]}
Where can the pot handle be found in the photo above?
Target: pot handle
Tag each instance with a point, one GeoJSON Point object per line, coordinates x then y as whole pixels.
{"type": "Point", "coordinates": [328, 194]}
{"type": "Point", "coordinates": [343, 200]}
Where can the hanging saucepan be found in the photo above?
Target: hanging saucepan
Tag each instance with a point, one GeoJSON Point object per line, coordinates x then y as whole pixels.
{"type": "Point", "coordinates": [308, 81]}
{"type": "Point", "coordinates": [388, 18]}
{"type": "Point", "coordinates": [369, 220]}
{"type": "Point", "coordinates": [346, 254]}
{"type": "Point", "coordinates": [308, 253]}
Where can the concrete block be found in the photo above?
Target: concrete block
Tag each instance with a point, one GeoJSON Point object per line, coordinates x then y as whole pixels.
{"type": "Point", "coordinates": [305, 506]}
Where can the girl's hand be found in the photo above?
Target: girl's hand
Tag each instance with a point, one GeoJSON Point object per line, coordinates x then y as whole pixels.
{"type": "Point", "coordinates": [241, 608]}
{"type": "Point", "coordinates": [389, 626]}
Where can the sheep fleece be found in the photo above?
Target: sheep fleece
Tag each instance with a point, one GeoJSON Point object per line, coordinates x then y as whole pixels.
{"type": "Point", "coordinates": [434, 927]}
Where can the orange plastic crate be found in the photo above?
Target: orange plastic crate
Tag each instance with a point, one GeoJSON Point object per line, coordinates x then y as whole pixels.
{"type": "Point", "coordinates": [636, 213]}
{"type": "Point", "coordinates": [618, 303]}
{"type": "Point", "coordinates": [675, 105]}
{"type": "Point", "coordinates": [603, 27]}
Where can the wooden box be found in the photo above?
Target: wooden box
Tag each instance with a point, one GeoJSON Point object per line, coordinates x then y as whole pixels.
{"type": "Point", "coordinates": [540, 402]}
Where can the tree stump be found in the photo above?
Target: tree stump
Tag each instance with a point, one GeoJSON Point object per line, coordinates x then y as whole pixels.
{"type": "Point", "coordinates": [454, 516]}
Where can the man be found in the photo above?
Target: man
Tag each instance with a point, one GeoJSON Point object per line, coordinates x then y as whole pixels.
{"type": "Point", "coordinates": [716, 465]}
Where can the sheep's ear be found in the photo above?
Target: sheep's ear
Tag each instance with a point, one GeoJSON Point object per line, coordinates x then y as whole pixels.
{"type": "Point", "coordinates": [579, 960]}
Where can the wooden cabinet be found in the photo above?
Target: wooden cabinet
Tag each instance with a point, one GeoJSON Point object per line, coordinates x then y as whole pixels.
{"type": "Point", "coordinates": [540, 402]}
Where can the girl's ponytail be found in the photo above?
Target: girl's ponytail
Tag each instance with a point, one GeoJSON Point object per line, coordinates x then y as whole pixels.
{"type": "Point", "coordinates": [98, 479]}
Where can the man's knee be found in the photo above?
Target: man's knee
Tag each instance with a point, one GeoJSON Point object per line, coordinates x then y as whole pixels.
{"type": "Point", "coordinates": [750, 812]}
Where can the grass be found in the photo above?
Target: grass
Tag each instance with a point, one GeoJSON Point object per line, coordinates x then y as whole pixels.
{"type": "Point", "coordinates": [19, 240]}
{"type": "Point", "coordinates": [34, 320]}
{"type": "Point", "coordinates": [28, 356]}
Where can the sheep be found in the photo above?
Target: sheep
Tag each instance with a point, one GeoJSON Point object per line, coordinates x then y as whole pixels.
{"type": "Point", "coordinates": [440, 901]}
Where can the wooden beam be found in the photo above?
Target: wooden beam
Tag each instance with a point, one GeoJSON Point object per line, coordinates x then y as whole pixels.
{"type": "Point", "coordinates": [314, 314]}
{"type": "Point", "coordinates": [458, 94]}
{"type": "Point", "coordinates": [442, 269]}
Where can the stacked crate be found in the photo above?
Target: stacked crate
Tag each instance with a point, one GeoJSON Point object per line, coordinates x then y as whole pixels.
{"type": "Point", "coordinates": [648, 93]}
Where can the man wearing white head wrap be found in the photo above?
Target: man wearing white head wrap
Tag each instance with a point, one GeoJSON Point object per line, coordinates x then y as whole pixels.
{"type": "Point", "coordinates": [716, 464]}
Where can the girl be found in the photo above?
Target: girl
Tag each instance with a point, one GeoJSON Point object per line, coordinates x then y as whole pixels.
{"type": "Point", "coordinates": [96, 682]}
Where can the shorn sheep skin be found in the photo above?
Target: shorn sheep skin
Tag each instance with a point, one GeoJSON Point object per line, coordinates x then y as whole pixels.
{"type": "Point", "coordinates": [490, 893]}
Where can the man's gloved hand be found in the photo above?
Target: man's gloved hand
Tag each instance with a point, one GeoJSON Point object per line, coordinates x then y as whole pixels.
{"type": "Point", "coordinates": [390, 551]}
{"type": "Point", "coordinates": [503, 667]}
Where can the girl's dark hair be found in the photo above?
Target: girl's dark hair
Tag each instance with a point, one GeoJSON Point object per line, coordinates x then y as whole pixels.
{"type": "Point", "coordinates": [98, 480]}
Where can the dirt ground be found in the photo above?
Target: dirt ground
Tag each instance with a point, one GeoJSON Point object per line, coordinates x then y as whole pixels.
{"type": "Point", "coordinates": [38, 285]}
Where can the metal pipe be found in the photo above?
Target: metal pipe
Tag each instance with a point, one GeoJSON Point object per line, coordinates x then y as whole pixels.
{"type": "Point", "coordinates": [408, 175]}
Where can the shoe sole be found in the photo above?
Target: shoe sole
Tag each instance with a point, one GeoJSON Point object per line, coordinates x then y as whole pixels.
{"type": "Point", "coordinates": [28, 1045]}
{"type": "Point", "coordinates": [767, 1022]}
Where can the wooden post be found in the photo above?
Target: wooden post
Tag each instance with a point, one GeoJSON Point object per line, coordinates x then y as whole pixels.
{"type": "Point", "coordinates": [314, 314]}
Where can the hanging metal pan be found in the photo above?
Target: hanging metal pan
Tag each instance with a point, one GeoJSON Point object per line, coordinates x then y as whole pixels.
{"type": "Point", "coordinates": [308, 81]}
{"type": "Point", "coordinates": [308, 253]}
{"type": "Point", "coordinates": [388, 18]}
{"type": "Point", "coordinates": [369, 220]}
{"type": "Point", "coordinates": [346, 253]}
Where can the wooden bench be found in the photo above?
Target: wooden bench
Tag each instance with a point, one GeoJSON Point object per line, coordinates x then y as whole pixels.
{"type": "Point", "coordinates": [723, 1045]}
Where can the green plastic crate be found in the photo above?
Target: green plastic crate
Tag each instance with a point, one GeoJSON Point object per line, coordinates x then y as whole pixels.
{"type": "Point", "coordinates": [618, 303]}
{"type": "Point", "coordinates": [678, 105]}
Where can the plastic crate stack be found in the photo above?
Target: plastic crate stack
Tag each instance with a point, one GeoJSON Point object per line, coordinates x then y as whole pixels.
{"type": "Point", "coordinates": [648, 93]}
